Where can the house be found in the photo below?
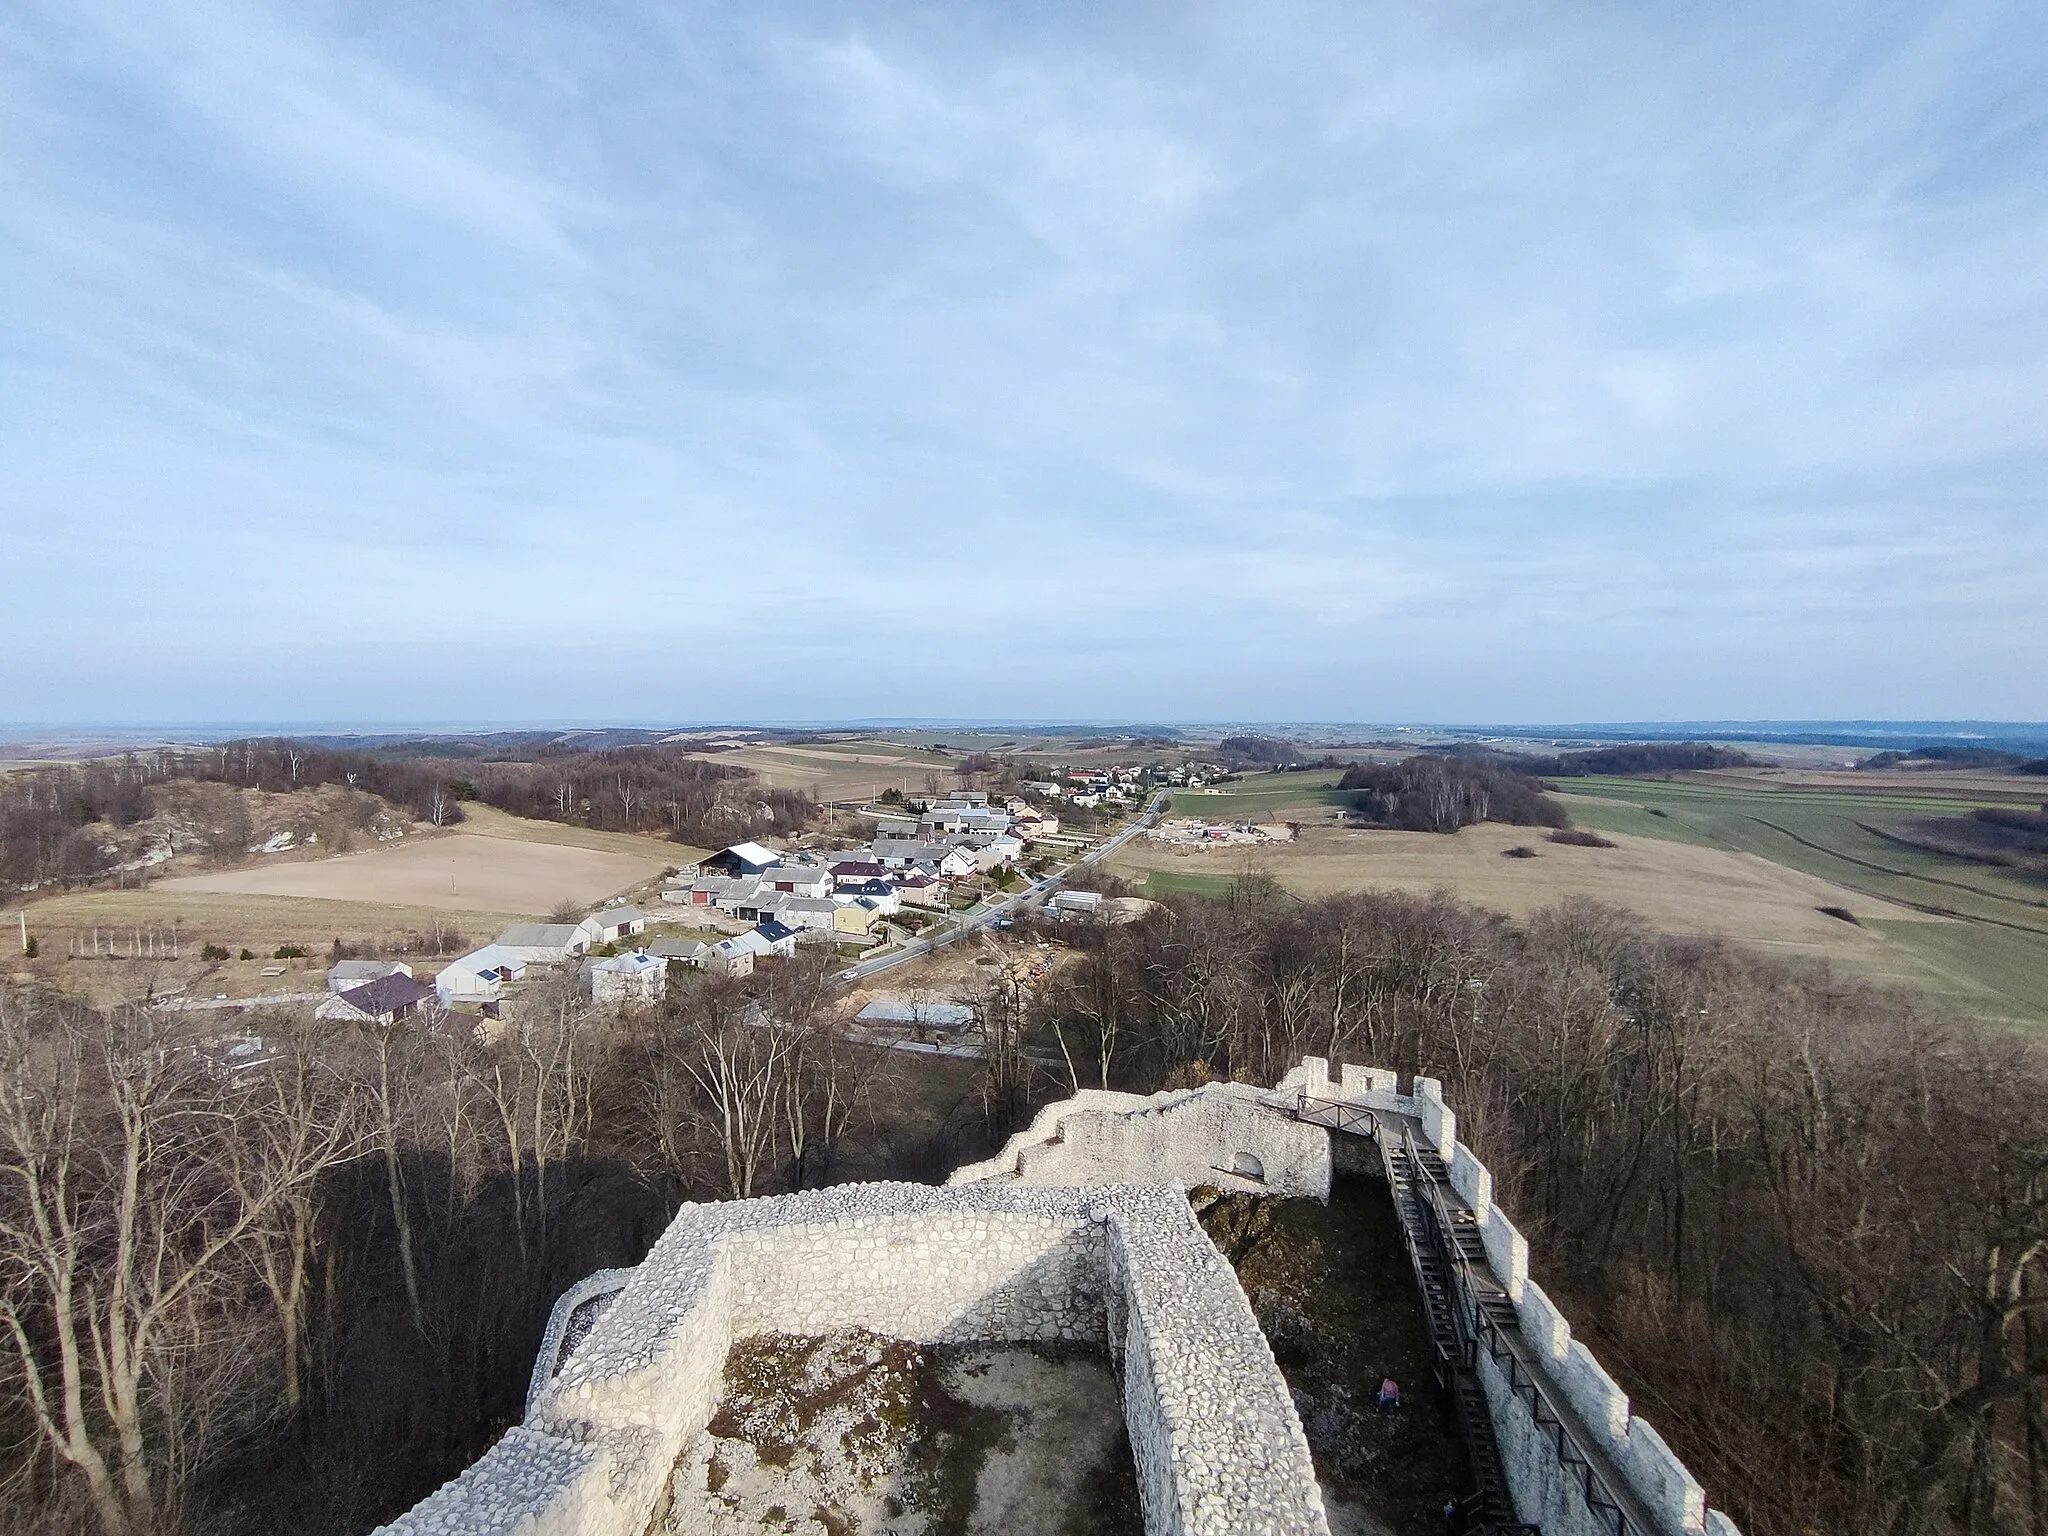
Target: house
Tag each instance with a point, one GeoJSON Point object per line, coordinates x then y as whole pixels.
{"type": "Point", "coordinates": [779, 937]}
{"type": "Point", "coordinates": [739, 859]}
{"type": "Point", "coordinates": [856, 917]}
{"type": "Point", "coordinates": [387, 1000]}
{"type": "Point", "coordinates": [880, 892]}
{"type": "Point", "coordinates": [637, 977]}
{"type": "Point", "coordinates": [857, 871]}
{"type": "Point", "coordinates": [690, 951]}
{"type": "Point", "coordinates": [613, 924]}
{"type": "Point", "coordinates": [732, 957]}
{"type": "Point", "coordinates": [544, 943]}
{"type": "Point", "coordinates": [895, 826]}
{"type": "Point", "coordinates": [922, 890]}
{"type": "Point", "coordinates": [799, 879]}
{"type": "Point", "coordinates": [480, 976]}
{"type": "Point", "coordinates": [345, 974]}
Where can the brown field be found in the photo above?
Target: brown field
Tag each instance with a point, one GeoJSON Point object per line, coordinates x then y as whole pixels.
{"type": "Point", "coordinates": [462, 886]}
{"type": "Point", "coordinates": [1676, 887]}
{"type": "Point", "coordinates": [461, 872]}
{"type": "Point", "coordinates": [856, 773]}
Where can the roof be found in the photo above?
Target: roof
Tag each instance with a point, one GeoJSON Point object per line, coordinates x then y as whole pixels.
{"type": "Point", "coordinates": [890, 1010]}
{"type": "Point", "coordinates": [364, 970]}
{"type": "Point", "coordinates": [807, 904]}
{"type": "Point", "coordinates": [633, 964]}
{"type": "Point", "coordinates": [677, 949]}
{"type": "Point", "coordinates": [489, 958]}
{"type": "Point", "coordinates": [611, 917]}
{"type": "Point", "coordinates": [857, 867]}
{"type": "Point", "coordinates": [387, 994]}
{"type": "Point", "coordinates": [773, 931]}
{"type": "Point", "coordinates": [751, 853]}
{"type": "Point", "coordinates": [540, 935]}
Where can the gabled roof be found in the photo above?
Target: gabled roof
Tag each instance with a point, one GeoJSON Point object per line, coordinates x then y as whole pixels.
{"type": "Point", "coordinates": [541, 935]}
{"type": "Point", "coordinates": [387, 994]}
{"type": "Point", "coordinates": [357, 971]}
{"type": "Point", "coordinates": [773, 931]}
{"type": "Point", "coordinates": [611, 917]}
{"type": "Point", "coordinates": [635, 963]}
{"type": "Point", "coordinates": [752, 853]}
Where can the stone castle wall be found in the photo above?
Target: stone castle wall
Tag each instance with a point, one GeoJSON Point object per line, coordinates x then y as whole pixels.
{"type": "Point", "coordinates": [1214, 1434]}
{"type": "Point", "coordinates": [1226, 1134]}
{"type": "Point", "coordinates": [1547, 1493]}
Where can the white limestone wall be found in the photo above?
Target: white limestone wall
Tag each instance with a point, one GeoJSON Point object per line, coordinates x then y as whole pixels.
{"type": "Point", "coordinates": [1229, 1135]}
{"type": "Point", "coordinates": [1545, 1493]}
{"type": "Point", "coordinates": [1212, 1429]}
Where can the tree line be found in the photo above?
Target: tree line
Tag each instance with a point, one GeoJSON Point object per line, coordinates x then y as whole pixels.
{"type": "Point", "coordinates": [51, 817]}
{"type": "Point", "coordinates": [1438, 793]}
{"type": "Point", "coordinates": [296, 1279]}
{"type": "Point", "coordinates": [1804, 1223]}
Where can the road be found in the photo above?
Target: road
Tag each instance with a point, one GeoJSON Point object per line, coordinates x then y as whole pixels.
{"type": "Point", "coordinates": [1037, 894]}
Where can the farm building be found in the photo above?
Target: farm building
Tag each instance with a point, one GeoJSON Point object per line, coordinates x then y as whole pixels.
{"type": "Point", "coordinates": [1077, 903]}
{"type": "Point", "coordinates": [544, 943]}
{"type": "Point", "coordinates": [480, 976]}
{"type": "Point", "coordinates": [739, 859]}
{"type": "Point", "coordinates": [346, 974]}
{"type": "Point", "coordinates": [811, 880]}
{"type": "Point", "coordinates": [613, 924]}
{"type": "Point", "coordinates": [690, 951]}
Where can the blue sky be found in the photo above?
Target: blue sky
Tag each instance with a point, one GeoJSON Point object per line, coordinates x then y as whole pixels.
{"type": "Point", "coordinates": [600, 360]}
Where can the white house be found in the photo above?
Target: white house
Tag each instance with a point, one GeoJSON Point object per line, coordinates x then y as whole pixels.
{"type": "Point", "coordinates": [637, 977]}
{"type": "Point", "coordinates": [544, 943]}
{"type": "Point", "coordinates": [480, 976]}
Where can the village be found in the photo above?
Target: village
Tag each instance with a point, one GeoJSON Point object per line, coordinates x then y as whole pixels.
{"type": "Point", "coordinates": [929, 864]}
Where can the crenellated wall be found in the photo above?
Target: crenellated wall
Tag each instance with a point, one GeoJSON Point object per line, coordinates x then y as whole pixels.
{"type": "Point", "coordinates": [1229, 1135]}
{"type": "Point", "coordinates": [1546, 1491]}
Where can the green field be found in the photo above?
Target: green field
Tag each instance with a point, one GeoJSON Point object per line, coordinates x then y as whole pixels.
{"type": "Point", "coordinates": [1166, 882]}
{"type": "Point", "coordinates": [1997, 949]}
{"type": "Point", "coordinates": [1263, 797]}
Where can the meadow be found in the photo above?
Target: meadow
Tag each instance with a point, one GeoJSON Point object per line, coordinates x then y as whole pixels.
{"type": "Point", "coordinates": [1265, 797]}
{"type": "Point", "coordinates": [1993, 951]}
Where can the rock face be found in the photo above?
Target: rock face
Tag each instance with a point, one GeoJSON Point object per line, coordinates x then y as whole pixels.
{"type": "Point", "coordinates": [1214, 1436]}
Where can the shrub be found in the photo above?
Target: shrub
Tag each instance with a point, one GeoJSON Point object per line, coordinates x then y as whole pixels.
{"type": "Point", "coordinates": [212, 952]}
{"type": "Point", "coordinates": [247, 954]}
{"type": "Point", "coordinates": [288, 952]}
{"type": "Point", "coordinates": [1519, 851]}
{"type": "Point", "coordinates": [1578, 838]}
{"type": "Point", "coordinates": [32, 946]}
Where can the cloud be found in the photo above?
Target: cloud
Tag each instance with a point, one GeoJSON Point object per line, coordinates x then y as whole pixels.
{"type": "Point", "coordinates": [1312, 362]}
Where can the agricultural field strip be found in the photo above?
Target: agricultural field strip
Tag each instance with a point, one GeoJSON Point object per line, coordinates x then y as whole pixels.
{"type": "Point", "coordinates": [1693, 809]}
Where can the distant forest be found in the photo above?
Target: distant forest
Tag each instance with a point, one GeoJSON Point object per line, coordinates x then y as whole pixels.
{"type": "Point", "coordinates": [1441, 794]}
{"type": "Point", "coordinates": [51, 819]}
{"type": "Point", "coordinates": [1638, 757]}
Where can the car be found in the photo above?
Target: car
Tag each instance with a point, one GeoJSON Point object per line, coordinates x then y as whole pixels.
{"type": "Point", "coordinates": [850, 973]}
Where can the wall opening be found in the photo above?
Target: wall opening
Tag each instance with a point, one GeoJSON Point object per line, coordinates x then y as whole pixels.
{"type": "Point", "coordinates": [1246, 1166]}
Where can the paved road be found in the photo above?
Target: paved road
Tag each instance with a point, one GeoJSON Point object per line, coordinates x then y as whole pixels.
{"type": "Point", "coordinates": [1035, 895]}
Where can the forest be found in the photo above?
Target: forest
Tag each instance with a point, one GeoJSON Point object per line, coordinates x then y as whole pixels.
{"type": "Point", "coordinates": [1441, 793]}
{"type": "Point", "coordinates": [1804, 1223]}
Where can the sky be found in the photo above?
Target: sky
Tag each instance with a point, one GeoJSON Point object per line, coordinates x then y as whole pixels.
{"type": "Point", "coordinates": [664, 362]}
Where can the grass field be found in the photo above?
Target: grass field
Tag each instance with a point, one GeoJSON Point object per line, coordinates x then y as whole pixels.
{"type": "Point", "coordinates": [1994, 952]}
{"type": "Point", "coordinates": [1263, 797]}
